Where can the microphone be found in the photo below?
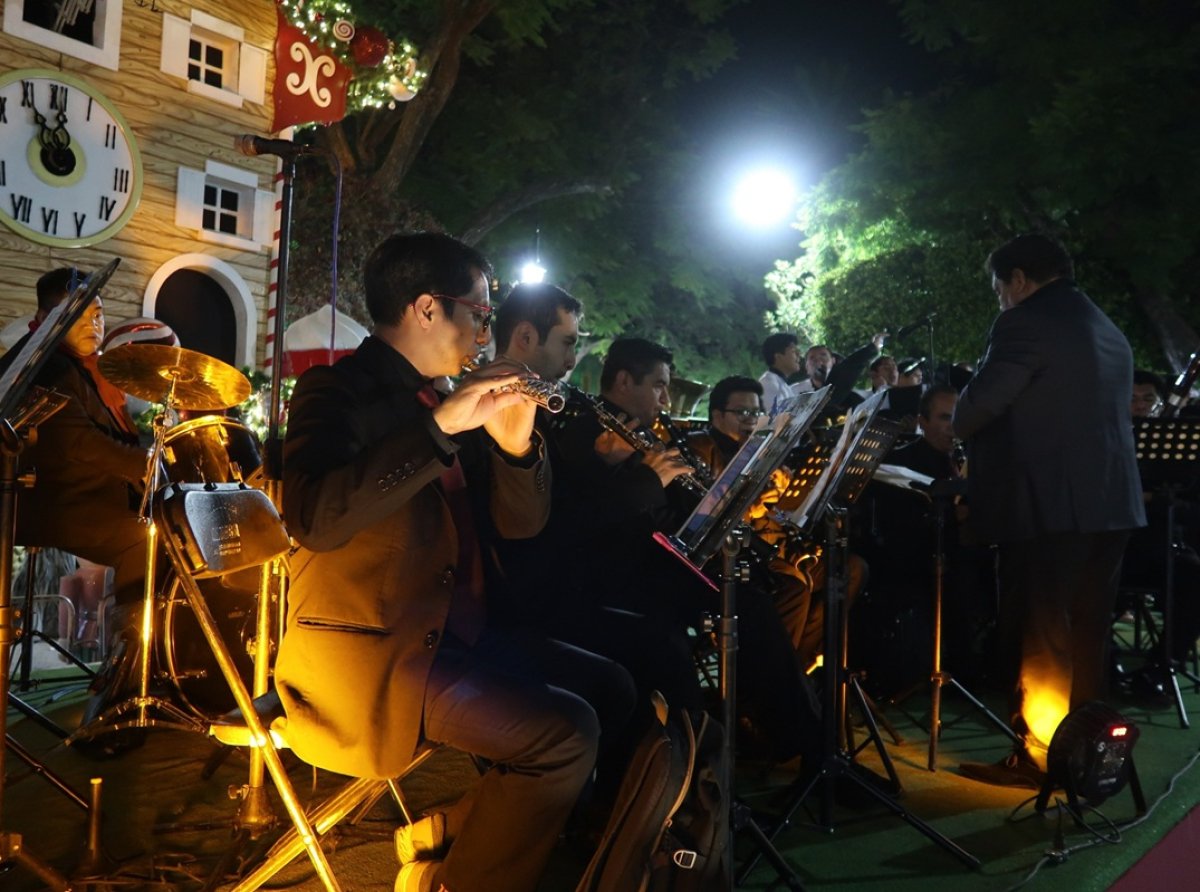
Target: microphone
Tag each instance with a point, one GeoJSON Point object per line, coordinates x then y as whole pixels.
{"type": "Point", "coordinates": [249, 144]}
{"type": "Point", "coordinates": [909, 329]}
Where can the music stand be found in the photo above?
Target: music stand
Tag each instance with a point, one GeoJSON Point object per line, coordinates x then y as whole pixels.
{"type": "Point", "coordinates": [716, 525]}
{"type": "Point", "coordinates": [18, 417]}
{"type": "Point", "coordinates": [827, 496]}
{"type": "Point", "coordinates": [941, 495]}
{"type": "Point", "coordinates": [1168, 455]}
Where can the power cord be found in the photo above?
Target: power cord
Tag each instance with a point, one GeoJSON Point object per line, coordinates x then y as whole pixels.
{"type": "Point", "coordinates": [1061, 852]}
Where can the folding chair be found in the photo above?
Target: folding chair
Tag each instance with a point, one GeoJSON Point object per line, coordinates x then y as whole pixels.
{"type": "Point", "coordinates": [217, 528]}
{"type": "Point", "coordinates": [210, 530]}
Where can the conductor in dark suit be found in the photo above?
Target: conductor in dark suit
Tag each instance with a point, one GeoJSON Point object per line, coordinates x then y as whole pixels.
{"type": "Point", "coordinates": [395, 494]}
{"type": "Point", "coordinates": [1053, 481]}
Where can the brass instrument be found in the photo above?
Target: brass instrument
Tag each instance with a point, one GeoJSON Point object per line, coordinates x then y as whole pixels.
{"type": "Point", "coordinates": [640, 442]}
{"type": "Point", "coordinates": [550, 395]}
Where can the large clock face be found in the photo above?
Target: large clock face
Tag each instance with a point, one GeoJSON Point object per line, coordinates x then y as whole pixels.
{"type": "Point", "coordinates": [70, 171]}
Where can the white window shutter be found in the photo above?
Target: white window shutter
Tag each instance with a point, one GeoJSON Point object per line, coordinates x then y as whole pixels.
{"type": "Point", "coordinates": [252, 74]}
{"type": "Point", "coordinates": [264, 217]}
{"type": "Point", "coordinates": [189, 198]}
{"type": "Point", "coordinates": [176, 33]}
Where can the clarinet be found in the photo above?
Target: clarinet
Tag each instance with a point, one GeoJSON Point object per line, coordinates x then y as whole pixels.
{"type": "Point", "coordinates": [641, 443]}
{"type": "Point", "coordinates": [677, 439]}
{"type": "Point", "coordinates": [1181, 389]}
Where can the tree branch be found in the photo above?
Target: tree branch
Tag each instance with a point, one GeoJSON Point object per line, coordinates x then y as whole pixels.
{"type": "Point", "coordinates": [442, 58]}
{"type": "Point", "coordinates": [504, 207]}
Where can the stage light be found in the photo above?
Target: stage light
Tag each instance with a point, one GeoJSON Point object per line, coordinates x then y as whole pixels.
{"type": "Point", "coordinates": [1091, 756]}
{"type": "Point", "coordinates": [533, 273]}
{"type": "Point", "coordinates": [765, 198]}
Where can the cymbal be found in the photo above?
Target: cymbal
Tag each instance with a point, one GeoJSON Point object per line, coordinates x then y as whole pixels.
{"type": "Point", "coordinates": [193, 380]}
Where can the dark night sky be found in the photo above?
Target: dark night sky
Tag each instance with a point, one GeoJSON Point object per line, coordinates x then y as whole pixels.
{"type": "Point", "coordinates": [804, 71]}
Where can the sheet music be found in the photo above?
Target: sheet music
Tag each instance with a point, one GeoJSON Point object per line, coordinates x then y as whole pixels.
{"type": "Point", "coordinates": [852, 431]}
{"type": "Point", "coordinates": [744, 478]}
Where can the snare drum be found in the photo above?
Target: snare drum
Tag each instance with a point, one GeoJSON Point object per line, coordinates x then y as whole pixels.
{"type": "Point", "coordinates": [212, 449]}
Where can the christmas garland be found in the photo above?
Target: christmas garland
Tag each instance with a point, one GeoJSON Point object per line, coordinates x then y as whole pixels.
{"type": "Point", "coordinates": [385, 70]}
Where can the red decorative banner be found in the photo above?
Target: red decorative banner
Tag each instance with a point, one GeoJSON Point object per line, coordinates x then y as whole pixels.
{"type": "Point", "coordinates": [310, 83]}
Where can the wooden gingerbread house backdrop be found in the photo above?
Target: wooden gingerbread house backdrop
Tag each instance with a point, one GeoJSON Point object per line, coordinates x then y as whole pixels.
{"type": "Point", "coordinates": [151, 95]}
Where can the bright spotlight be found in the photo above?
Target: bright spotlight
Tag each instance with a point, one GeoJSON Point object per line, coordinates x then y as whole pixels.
{"type": "Point", "coordinates": [533, 273]}
{"type": "Point", "coordinates": [764, 198]}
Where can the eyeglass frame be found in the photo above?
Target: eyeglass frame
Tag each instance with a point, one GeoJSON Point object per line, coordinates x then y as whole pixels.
{"type": "Point", "coordinates": [487, 311]}
{"type": "Point", "coordinates": [745, 414]}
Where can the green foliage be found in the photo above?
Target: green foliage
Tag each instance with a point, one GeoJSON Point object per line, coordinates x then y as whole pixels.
{"type": "Point", "coordinates": [1069, 117]}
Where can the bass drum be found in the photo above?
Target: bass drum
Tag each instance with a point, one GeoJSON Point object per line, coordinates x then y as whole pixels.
{"type": "Point", "coordinates": [185, 655]}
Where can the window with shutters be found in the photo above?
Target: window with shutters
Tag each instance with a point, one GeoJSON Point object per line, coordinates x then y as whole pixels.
{"type": "Point", "coordinates": [213, 58]}
{"type": "Point", "coordinates": [223, 204]}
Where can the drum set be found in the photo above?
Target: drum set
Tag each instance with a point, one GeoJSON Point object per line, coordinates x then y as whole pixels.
{"type": "Point", "coordinates": [194, 442]}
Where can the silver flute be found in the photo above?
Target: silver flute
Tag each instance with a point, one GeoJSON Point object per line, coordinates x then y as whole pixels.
{"type": "Point", "coordinates": [550, 395]}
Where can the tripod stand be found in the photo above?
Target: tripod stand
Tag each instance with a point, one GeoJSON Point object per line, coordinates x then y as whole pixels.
{"type": "Point", "coordinates": [17, 418]}
{"type": "Point", "coordinates": [1167, 450]}
{"type": "Point", "coordinates": [942, 493]}
{"type": "Point", "coordinates": [847, 471]}
{"type": "Point", "coordinates": [741, 818]}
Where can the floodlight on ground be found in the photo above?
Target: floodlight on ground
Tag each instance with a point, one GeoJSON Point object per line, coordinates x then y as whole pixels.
{"type": "Point", "coordinates": [1091, 758]}
{"type": "Point", "coordinates": [765, 197]}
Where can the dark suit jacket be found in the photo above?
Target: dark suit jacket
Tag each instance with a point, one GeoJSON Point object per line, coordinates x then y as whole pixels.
{"type": "Point", "coordinates": [1047, 423]}
{"type": "Point", "coordinates": [372, 585]}
{"type": "Point", "coordinates": [89, 469]}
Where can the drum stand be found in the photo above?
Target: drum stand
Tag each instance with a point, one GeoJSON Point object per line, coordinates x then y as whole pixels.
{"type": "Point", "coordinates": [171, 716]}
{"type": "Point", "coordinates": [255, 814]}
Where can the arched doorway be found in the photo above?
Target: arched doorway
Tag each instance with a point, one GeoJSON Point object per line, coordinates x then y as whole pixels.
{"type": "Point", "coordinates": [199, 310]}
{"type": "Point", "coordinates": [209, 305]}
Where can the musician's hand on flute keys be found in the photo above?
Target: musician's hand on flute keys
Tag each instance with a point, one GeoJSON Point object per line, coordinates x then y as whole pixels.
{"type": "Point", "coordinates": [480, 401]}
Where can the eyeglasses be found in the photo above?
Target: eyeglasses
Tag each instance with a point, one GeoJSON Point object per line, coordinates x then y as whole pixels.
{"type": "Point", "coordinates": [745, 414]}
{"type": "Point", "coordinates": [481, 313]}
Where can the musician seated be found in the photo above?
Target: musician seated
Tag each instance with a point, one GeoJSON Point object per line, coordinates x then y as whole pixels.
{"type": "Point", "coordinates": [556, 581]}
{"type": "Point", "coordinates": [903, 545]}
{"type": "Point", "coordinates": [89, 468]}
{"type": "Point", "coordinates": [796, 574]}
{"type": "Point", "coordinates": [397, 496]}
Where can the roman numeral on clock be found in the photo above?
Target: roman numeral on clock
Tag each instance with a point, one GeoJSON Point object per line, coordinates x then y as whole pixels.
{"type": "Point", "coordinates": [79, 218]}
{"type": "Point", "coordinates": [3, 109]}
{"type": "Point", "coordinates": [26, 94]}
{"type": "Point", "coordinates": [107, 206]}
{"type": "Point", "coordinates": [22, 205]}
{"type": "Point", "coordinates": [121, 179]}
{"type": "Point", "coordinates": [110, 136]}
{"type": "Point", "coordinates": [49, 221]}
{"type": "Point", "coordinates": [58, 97]}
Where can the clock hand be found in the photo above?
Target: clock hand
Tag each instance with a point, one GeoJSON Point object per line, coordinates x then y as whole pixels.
{"type": "Point", "coordinates": [56, 155]}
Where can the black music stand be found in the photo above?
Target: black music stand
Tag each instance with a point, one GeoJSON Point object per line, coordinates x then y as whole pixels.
{"type": "Point", "coordinates": [716, 525]}
{"type": "Point", "coordinates": [18, 417]}
{"type": "Point", "coordinates": [941, 494]}
{"type": "Point", "coordinates": [1168, 455]}
{"type": "Point", "coordinates": [827, 497]}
